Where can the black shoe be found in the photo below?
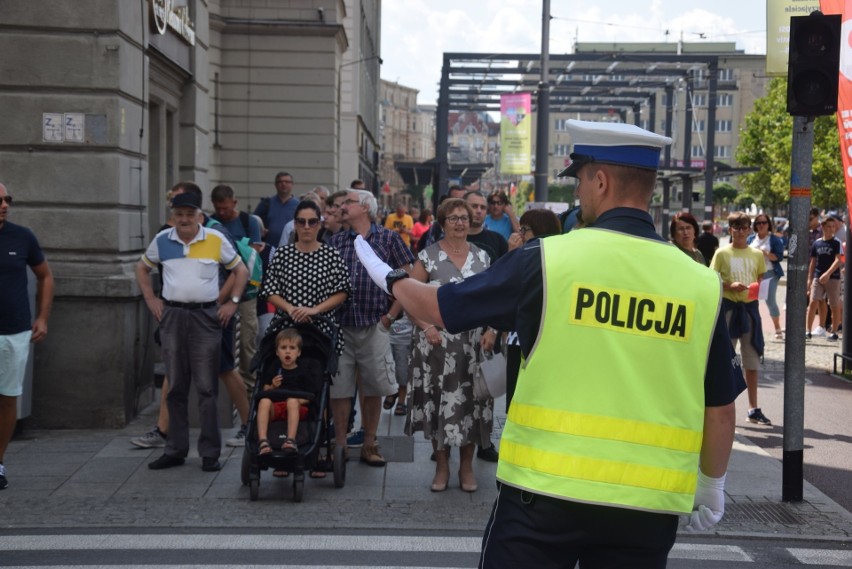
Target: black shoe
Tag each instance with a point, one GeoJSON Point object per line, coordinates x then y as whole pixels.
{"type": "Point", "coordinates": [757, 416]}
{"type": "Point", "coordinates": [487, 454]}
{"type": "Point", "coordinates": [210, 464]}
{"type": "Point", "coordinates": [165, 461]}
{"type": "Point", "coordinates": [3, 482]}
{"type": "Point", "coordinates": [833, 337]}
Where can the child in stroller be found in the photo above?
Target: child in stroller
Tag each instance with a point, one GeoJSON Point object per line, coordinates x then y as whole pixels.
{"type": "Point", "coordinates": [303, 376]}
{"type": "Point", "coordinates": [301, 384]}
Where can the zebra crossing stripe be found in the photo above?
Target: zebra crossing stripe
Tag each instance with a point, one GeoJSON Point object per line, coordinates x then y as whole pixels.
{"type": "Point", "coordinates": [239, 542]}
{"type": "Point", "coordinates": [700, 551]}
{"type": "Point", "coordinates": [822, 557]}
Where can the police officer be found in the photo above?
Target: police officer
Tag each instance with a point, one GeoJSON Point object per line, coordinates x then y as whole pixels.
{"type": "Point", "coordinates": [596, 463]}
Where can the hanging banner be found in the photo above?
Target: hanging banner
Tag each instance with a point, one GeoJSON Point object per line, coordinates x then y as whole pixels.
{"type": "Point", "coordinates": [515, 133]}
{"type": "Point", "coordinates": [778, 14]}
{"type": "Point", "coordinates": [844, 88]}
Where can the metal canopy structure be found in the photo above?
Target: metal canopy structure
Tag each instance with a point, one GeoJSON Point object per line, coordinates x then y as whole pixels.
{"type": "Point", "coordinates": [421, 173]}
{"type": "Point", "coordinates": [589, 82]}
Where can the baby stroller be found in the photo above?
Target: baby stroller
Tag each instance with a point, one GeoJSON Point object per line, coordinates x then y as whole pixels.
{"type": "Point", "coordinates": [313, 440]}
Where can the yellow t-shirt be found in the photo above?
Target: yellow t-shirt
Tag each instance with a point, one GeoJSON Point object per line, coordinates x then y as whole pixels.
{"type": "Point", "coordinates": [738, 265]}
{"type": "Point", "coordinates": [397, 223]}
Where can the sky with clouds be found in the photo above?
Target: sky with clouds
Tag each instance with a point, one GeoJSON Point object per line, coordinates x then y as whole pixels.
{"type": "Point", "coordinates": [416, 33]}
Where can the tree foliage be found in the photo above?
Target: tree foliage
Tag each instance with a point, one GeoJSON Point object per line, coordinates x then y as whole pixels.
{"type": "Point", "coordinates": [766, 142]}
{"type": "Point", "coordinates": [724, 193]}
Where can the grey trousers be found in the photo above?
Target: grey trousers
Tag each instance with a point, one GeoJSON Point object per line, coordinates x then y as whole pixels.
{"type": "Point", "coordinates": [191, 343]}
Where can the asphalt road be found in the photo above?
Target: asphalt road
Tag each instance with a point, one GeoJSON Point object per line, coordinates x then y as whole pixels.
{"type": "Point", "coordinates": [150, 547]}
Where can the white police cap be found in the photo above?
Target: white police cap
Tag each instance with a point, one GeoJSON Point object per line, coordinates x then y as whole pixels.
{"type": "Point", "coordinates": [613, 143]}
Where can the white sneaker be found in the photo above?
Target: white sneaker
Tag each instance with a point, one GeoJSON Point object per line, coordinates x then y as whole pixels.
{"type": "Point", "coordinates": [152, 439]}
{"type": "Point", "coordinates": [818, 331]}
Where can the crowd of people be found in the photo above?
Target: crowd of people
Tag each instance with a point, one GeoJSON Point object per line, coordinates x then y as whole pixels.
{"type": "Point", "coordinates": [305, 245]}
{"type": "Point", "coordinates": [596, 469]}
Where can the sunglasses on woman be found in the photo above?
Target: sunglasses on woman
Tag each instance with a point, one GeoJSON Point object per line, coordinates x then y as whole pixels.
{"type": "Point", "coordinates": [306, 222]}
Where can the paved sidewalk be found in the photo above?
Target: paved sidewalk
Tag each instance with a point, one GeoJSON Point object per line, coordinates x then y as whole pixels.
{"type": "Point", "coordinates": [96, 479]}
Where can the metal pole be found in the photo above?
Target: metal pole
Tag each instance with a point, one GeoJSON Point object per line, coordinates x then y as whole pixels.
{"type": "Point", "coordinates": [543, 109]}
{"type": "Point", "coordinates": [686, 203]}
{"type": "Point", "coordinates": [710, 164]}
{"type": "Point", "coordinates": [794, 348]}
{"type": "Point", "coordinates": [667, 154]}
{"type": "Point", "coordinates": [442, 125]}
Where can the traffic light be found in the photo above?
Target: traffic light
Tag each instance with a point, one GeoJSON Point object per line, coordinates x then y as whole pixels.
{"type": "Point", "coordinates": [814, 65]}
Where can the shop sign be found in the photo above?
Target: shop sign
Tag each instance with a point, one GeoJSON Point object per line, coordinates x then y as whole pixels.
{"type": "Point", "coordinates": [164, 15]}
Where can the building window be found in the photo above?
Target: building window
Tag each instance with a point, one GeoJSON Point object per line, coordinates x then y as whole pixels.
{"type": "Point", "coordinates": [723, 126]}
{"type": "Point", "coordinates": [725, 100]}
{"type": "Point", "coordinates": [722, 151]}
{"type": "Point", "coordinates": [697, 151]}
{"type": "Point", "coordinates": [726, 75]}
{"type": "Point", "coordinates": [698, 125]}
{"type": "Point", "coordinates": [414, 124]}
{"type": "Point", "coordinates": [663, 125]}
{"type": "Point", "coordinates": [699, 100]}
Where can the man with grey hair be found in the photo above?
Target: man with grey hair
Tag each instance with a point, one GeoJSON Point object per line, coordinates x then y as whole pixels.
{"type": "Point", "coordinates": [364, 319]}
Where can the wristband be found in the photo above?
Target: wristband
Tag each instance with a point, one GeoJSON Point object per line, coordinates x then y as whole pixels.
{"type": "Point", "coordinates": [429, 328]}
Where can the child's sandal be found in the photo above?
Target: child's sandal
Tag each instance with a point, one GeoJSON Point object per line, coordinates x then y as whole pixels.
{"type": "Point", "coordinates": [289, 446]}
{"type": "Point", "coordinates": [263, 447]}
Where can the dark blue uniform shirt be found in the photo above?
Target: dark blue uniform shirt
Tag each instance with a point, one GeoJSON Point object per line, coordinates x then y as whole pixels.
{"type": "Point", "coordinates": [510, 295]}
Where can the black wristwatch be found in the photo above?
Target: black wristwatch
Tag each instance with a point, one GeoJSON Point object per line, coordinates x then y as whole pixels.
{"type": "Point", "coordinates": [393, 276]}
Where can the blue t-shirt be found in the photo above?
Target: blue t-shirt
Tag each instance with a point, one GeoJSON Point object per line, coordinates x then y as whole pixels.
{"type": "Point", "coordinates": [825, 252]}
{"type": "Point", "coordinates": [238, 231]}
{"type": "Point", "coordinates": [19, 249]}
{"type": "Point", "coordinates": [510, 295]}
{"type": "Point", "coordinates": [503, 226]}
{"type": "Point", "coordinates": [275, 216]}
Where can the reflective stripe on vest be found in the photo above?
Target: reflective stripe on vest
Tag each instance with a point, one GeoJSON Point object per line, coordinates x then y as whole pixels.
{"type": "Point", "coordinates": [609, 407]}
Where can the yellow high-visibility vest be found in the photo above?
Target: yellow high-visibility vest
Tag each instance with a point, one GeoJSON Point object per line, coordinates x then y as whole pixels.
{"type": "Point", "coordinates": [609, 407]}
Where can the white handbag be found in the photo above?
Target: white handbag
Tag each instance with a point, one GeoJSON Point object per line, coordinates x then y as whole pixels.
{"type": "Point", "coordinates": [490, 377]}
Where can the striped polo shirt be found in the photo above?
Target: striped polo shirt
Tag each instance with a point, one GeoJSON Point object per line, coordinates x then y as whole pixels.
{"type": "Point", "coordinates": [191, 271]}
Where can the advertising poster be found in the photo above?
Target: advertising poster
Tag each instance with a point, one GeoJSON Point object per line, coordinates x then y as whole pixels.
{"type": "Point", "coordinates": [515, 133]}
{"type": "Point", "coordinates": [778, 13]}
{"type": "Point", "coordinates": [844, 88]}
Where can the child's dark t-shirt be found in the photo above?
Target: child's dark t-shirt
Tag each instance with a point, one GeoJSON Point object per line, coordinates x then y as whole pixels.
{"type": "Point", "coordinates": [307, 376]}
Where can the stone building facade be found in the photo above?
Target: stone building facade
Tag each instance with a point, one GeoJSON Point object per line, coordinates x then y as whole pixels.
{"type": "Point", "coordinates": [407, 133]}
{"type": "Point", "coordinates": [107, 104]}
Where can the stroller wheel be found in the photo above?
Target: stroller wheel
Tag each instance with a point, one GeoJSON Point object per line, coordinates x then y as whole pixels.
{"type": "Point", "coordinates": [298, 488]}
{"type": "Point", "coordinates": [246, 466]}
{"type": "Point", "coordinates": [339, 466]}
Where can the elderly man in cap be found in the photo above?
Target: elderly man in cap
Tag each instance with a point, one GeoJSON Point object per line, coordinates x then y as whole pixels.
{"type": "Point", "coordinates": [598, 458]}
{"type": "Point", "coordinates": [191, 321]}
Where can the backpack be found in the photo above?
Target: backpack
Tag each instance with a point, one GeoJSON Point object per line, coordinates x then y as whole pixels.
{"type": "Point", "coordinates": [249, 255]}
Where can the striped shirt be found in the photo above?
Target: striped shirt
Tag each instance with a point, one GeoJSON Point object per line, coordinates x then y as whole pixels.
{"type": "Point", "coordinates": [191, 271]}
{"type": "Point", "coordinates": [368, 303]}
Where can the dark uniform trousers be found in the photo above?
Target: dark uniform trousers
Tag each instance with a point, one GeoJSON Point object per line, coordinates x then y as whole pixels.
{"type": "Point", "coordinates": [531, 530]}
{"type": "Point", "coordinates": [192, 340]}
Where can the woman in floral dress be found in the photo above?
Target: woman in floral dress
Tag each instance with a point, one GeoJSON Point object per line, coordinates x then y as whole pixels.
{"type": "Point", "coordinates": [441, 400]}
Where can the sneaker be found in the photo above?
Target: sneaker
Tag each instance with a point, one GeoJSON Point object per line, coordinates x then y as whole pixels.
{"type": "Point", "coordinates": [808, 336]}
{"type": "Point", "coordinates": [833, 337]}
{"type": "Point", "coordinates": [757, 416]}
{"type": "Point", "coordinates": [370, 455]}
{"type": "Point", "coordinates": [487, 454]}
{"type": "Point", "coordinates": [152, 439]}
{"type": "Point", "coordinates": [238, 440]}
{"type": "Point", "coordinates": [356, 439]}
{"type": "Point", "coordinates": [818, 331]}
{"type": "Point", "coordinates": [3, 482]}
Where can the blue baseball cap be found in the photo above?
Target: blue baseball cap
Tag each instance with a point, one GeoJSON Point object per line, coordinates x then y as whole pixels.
{"type": "Point", "coordinates": [613, 143]}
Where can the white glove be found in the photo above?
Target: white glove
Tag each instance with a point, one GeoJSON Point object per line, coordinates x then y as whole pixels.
{"type": "Point", "coordinates": [376, 268]}
{"type": "Point", "coordinates": [709, 503]}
